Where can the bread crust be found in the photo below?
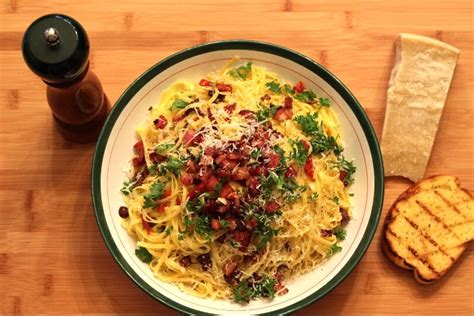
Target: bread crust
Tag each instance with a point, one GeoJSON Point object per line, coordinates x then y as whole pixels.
{"type": "Point", "coordinates": [388, 248]}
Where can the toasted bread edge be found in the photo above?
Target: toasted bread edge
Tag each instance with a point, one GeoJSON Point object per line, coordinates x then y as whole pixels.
{"type": "Point", "coordinates": [387, 248]}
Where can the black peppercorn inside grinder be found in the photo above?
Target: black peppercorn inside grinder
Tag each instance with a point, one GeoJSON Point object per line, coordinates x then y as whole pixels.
{"type": "Point", "coordinates": [56, 48]}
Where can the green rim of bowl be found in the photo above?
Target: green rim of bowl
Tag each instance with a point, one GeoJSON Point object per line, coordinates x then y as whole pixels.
{"type": "Point", "coordinates": [302, 60]}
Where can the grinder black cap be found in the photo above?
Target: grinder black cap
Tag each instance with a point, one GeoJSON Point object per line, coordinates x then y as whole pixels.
{"type": "Point", "coordinates": [56, 48]}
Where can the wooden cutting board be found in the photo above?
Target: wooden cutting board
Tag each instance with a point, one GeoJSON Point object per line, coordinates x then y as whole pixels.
{"type": "Point", "coordinates": [52, 258]}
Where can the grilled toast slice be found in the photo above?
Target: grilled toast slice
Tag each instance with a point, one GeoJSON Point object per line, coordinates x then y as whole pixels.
{"type": "Point", "coordinates": [429, 226]}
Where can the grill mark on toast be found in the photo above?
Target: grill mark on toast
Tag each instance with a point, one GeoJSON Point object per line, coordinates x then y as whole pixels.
{"type": "Point", "coordinates": [428, 237]}
{"type": "Point", "coordinates": [413, 252]}
{"type": "Point", "coordinates": [423, 260]}
{"type": "Point", "coordinates": [451, 205]}
{"type": "Point", "coordinates": [436, 218]}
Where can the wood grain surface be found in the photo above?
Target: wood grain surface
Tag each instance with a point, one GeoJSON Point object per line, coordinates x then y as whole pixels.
{"type": "Point", "coordinates": [52, 257]}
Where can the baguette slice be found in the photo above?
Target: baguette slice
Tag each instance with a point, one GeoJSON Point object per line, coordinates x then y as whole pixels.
{"type": "Point", "coordinates": [429, 226]}
{"type": "Point", "coordinates": [417, 91]}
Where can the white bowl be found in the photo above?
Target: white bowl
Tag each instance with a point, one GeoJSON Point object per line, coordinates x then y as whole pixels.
{"type": "Point", "coordinates": [114, 148]}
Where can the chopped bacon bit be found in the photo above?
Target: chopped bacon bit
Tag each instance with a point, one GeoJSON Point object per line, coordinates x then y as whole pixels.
{"type": "Point", "coordinates": [178, 117]}
{"type": "Point", "coordinates": [290, 172]}
{"type": "Point", "coordinates": [167, 193]}
{"type": "Point", "coordinates": [242, 173]}
{"type": "Point", "coordinates": [215, 224]}
{"type": "Point", "coordinates": [232, 223]}
{"type": "Point", "coordinates": [138, 147]}
{"type": "Point", "coordinates": [229, 268]}
{"type": "Point", "coordinates": [226, 190]}
{"type": "Point", "coordinates": [228, 164]}
{"type": "Point", "coordinates": [305, 144]}
{"type": "Point", "coordinates": [161, 122]}
{"type": "Point", "coordinates": [326, 233]}
{"type": "Point", "coordinates": [191, 166]}
{"type": "Point", "coordinates": [205, 261]}
{"type": "Point", "coordinates": [156, 158]}
{"type": "Point", "coordinates": [342, 176]}
{"type": "Point", "coordinates": [192, 194]}
{"type": "Point", "coordinates": [223, 173]}
{"type": "Point", "coordinates": [247, 114]}
{"type": "Point", "coordinates": [234, 156]}
{"type": "Point", "coordinates": [211, 183]}
{"type": "Point", "coordinates": [210, 151]}
{"type": "Point", "coordinates": [265, 97]}
{"type": "Point", "coordinates": [274, 160]}
{"type": "Point", "coordinates": [344, 214]}
{"type": "Point", "coordinates": [229, 108]}
{"type": "Point", "coordinates": [162, 208]}
{"type": "Point", "coordinates": [146, 225]}
{"type": "Point", "coordinates": [309, 168]}
{"type": "Point", "coordinates": [138, 162]}
{"type": "Point", "coordinates": [178, 200]}
{"type": "Point", "coordinates": [243, 238]}
{"type": "Point", "coordinates": [220, 159]}
{"type": "Point", "coordinates": [233, 196]}
{"type": "Point", "coordinates": [288, 102]}
{"type": "Point", "coordinates": [189, 138]}
{"type": "Point", "coordinates": [210, 115]}
{"type": "Point", "coordinates": [252, 184]}
{"type": "Point", "coordinates": [205, 83]}
{"type": "Point", "coordinates": [224, 87]}
{"type": "Point", "coordinates": [299, 87]}
{"type": "Point", "coordinates": [283, 114]}
{"type": "Point", "coordinates": [187, 178]}
{"type": "Point", "coordinates": [271, 206]}
{"type": "Point", "coordinates": [251, 223]}
{"type": "Point", "coordinates": [280, 289]}
{"type": "Point", "coordinates": [185, 261]}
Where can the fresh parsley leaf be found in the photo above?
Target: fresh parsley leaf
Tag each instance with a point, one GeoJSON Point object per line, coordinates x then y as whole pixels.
{"type": "Point", "coordinates": [127, 187]}
{"type": "Point", "coordinates": [266, 113]}
{"type": "Point", "coordinates": [281, 153]}
{"type": "Point", "coordinates": [156, 193]}
{"type": "Point", "coordinates": [263, 232]}
{"type": "Point", "coordinates": [299, 154]}
{"type": "Point", "coordinates": [288, 89]}
{"type": "Point", "coordinates": [163, 148]}
{"type": "Point", "coordinates": [334, 249]}
{"type": "Point", "coordinates": [308, 123]}
{"type": "Point", "coordinates": [169, 230]}
{"type": "Point", "coordinates": [178, 104]}
{"type": "Point", "coordinates": [173, 164]}
{"type": "Point", "coordinates": [273, 86]}
{"type": "Point", "coordinates": [241, 72]}
{"type": "Point", "coordinates": [247, 290]}
{"type": "Point", "coordinates": [324, 102]}
{"type": "Point", "coordinates": [255, 153]}
{"type": "Point", "coordinates": [322, 143]}
{"type": "Point", "coordinates": [349, 167]}
{"type": "Point", "coordinates": [340, 233]}
{"type": "Point", "coordinates": [143, 254]}
{"type": "Point", "coordinates": [307, 96]}
{"type": "Point", "coordinates": [203, 227]}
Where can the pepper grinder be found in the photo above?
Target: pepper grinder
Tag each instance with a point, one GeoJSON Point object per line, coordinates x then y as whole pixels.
{"type": "Point", "coordinates": [56, 48]}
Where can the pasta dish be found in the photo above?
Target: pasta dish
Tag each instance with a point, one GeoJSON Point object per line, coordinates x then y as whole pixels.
{"type": "Point", "coordinates": [238, 183]}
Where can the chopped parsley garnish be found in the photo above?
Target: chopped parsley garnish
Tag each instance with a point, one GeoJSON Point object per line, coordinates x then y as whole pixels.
{"type": "Point", "coordinates": [335, 199]}
{"type": "Point", "coordinates": [324, 102]}
{"type": "Point", "coordinates": [349, 167]}
{"type": "Point", "coordinates": [156, 192]}
{"type": "Point", "coordinates": [314, 196]}
{"type": "Point", "coordinates": [319, 141]}
{"type": "Point", "coordinates": [203, 227]}
{"type": "Point", "coordinates": [308, 123]}
{"type": "Point", "coordinates": [266, 113]}
{"type": "Point", "coordinates": [340, 233]}
{"type": "Point", "coordinates": [169, 230]}
{"type": "Point", "coordinates": [273, 86]}
{"type": "Point", "coordinates": [334, 249]}
{"type": "Point", "coordinates": [143, 254]}
{"type": "Point", "coordinates": [173, 164]}
{"type": "Point", "coordinates": [163, 148]}
{"type": "Point", "coordinates": [127, 187]}
{"type": "Point", "coordinates": [247, 290]}
{"type": "Point", "coordinates": [300, 154]}
{"type": "Point", "coordinates": [307, 96]}
{"type": "Point", "coordinates": [255, 153]}
{"type": "Point", "coordinates": [288, 89]}
{"type": "Point", "coordinates": [241, 72]}
{"type": "Point", "coordinates": [178, 104]}
{"type": "Point", "coordinates": [263, 232]}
